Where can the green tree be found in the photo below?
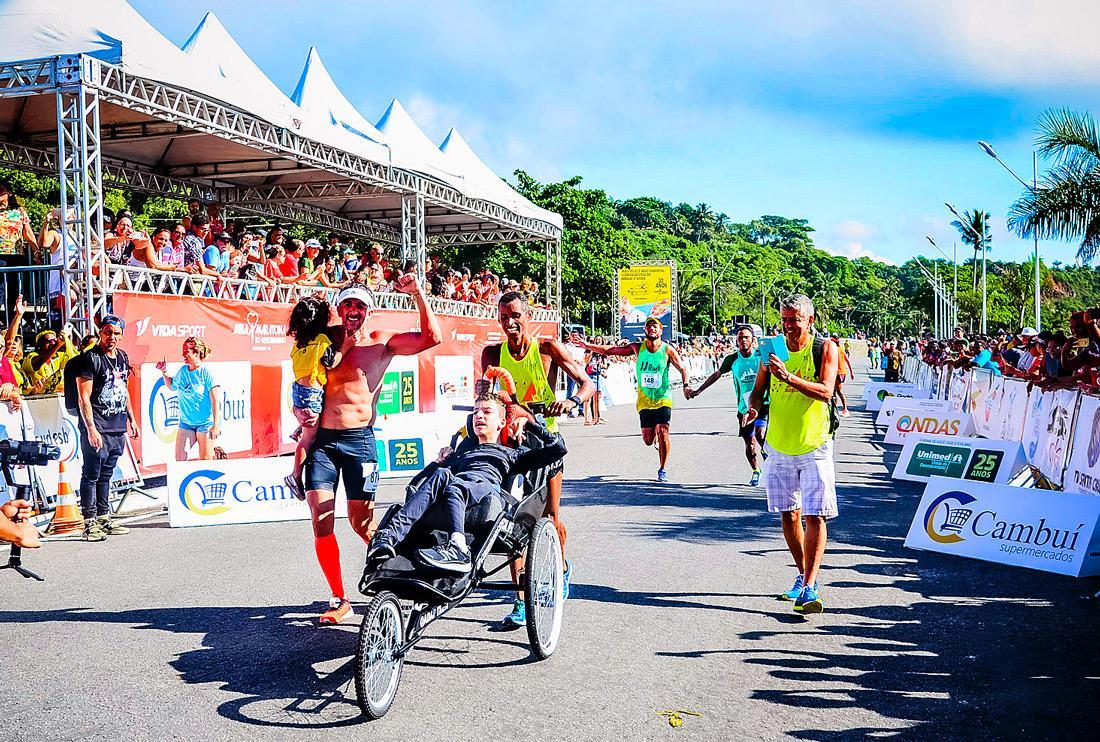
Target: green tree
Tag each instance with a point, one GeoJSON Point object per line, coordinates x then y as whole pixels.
{"type": "Point", "coordinates": [974, 223]}
{"type": "Point", "coordinates": [1066, 205]}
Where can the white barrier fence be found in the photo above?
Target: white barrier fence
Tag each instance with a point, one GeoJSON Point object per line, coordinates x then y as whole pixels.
{"type": "Point", "coordinates": [1049, 439]}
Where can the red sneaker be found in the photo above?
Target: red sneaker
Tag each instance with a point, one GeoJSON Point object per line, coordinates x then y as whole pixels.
{"type": "Point", "coordinates": [338, 612]}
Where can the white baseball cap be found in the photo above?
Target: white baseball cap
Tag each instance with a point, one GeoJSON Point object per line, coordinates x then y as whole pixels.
{"type": "Point", "coordinates": [355, 292]}
{"type": "Point", "coordinates": [1028, 332]}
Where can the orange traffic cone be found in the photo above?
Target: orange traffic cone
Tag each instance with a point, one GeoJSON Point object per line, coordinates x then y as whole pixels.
{"type": "Point", "coordinates": [66, 516]}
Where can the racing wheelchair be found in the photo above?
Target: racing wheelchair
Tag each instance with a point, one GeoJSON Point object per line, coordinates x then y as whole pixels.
{"type": "Point", "coordinates": [501, 533]}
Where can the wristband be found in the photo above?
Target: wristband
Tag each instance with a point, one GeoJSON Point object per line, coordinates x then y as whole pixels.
{"type": "Point", "coordinates": [574, 399]}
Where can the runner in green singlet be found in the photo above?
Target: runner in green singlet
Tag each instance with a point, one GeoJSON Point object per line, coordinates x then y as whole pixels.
{"type": "Point", "coordinates": [654, 392]}
{"type": "Point", "coordinates": [534, 364]}
{"type": "Point", "coordinates": [743, 366]}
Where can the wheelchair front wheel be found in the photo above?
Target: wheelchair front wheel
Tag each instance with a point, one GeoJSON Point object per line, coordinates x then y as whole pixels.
{"type": "Point", "coordinates": [543, 588]}
{"type": "Point", "coordinates": [377, 666]}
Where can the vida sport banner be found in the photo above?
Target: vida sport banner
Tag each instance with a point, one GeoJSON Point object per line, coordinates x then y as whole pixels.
{"type": "Point", "coordinates": [645, 291]}
{"type": "Point", "coordinates": [976, 459]}
{"type": "Point", "coordinates": [1016, 526]}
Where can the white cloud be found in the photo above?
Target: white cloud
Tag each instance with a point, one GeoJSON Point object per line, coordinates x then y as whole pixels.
{"type": "Point", "coordinates": [854, 250]}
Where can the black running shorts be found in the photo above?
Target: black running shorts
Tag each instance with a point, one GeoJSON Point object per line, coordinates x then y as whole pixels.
{"type": "Point", "coordinates": [343, 454]}
{"type": "Point", "coordinates": [653, 418]}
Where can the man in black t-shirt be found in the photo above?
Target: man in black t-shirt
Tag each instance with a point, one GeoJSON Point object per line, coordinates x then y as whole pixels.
{"type": "Point", "coordinates": [105, 417]}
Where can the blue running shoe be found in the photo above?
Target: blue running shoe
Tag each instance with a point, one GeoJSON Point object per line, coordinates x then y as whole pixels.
{"type": "Point", "coordinates": [795, 591]}
{"type": "Point", "coordinates": [809, 601]}
{"type": "Point", "coordinates": [565, 581]}
{"type": "Point", "coordinates": [518, 616]}
{"type": "Point", "coordinates": [755, 481]}
{"type": "Point", "coordinates": [662, 475]}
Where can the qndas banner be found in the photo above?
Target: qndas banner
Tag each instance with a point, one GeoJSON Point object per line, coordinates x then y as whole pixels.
{"type": "Point", "coordinates": [645, 291]}
{"type": "Point", "coordinates": [1017, 526]}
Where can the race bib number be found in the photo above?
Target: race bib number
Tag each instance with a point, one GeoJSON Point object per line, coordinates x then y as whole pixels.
{"type": "Point", "coordinates": [651, 381]}
{"type": "Point", "coordinates": [370, 477]}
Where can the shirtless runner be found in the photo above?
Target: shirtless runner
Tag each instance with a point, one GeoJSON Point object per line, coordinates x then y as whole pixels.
{"type": "Point", "coordinates": [344, 445]}
{"type": "Point", "coordinates": [533, 364]}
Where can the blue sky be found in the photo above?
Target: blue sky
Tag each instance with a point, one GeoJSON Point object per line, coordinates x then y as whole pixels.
{"type": "Point", "coordinates": [859, 116]}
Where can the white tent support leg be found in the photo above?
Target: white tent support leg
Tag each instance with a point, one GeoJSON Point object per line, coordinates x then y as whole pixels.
{"type": "Point", "coordinates": [80, 175]}
{"type": "Point", "coordinates": [414, 242]}
{"type": "Point", "coordinates": [552, 284]}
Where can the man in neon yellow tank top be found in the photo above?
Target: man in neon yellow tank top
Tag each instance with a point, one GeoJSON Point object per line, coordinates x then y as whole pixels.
{"type": "Point", "coordinates": [654, 392]}
{"type": "Point", "coordinates": [534, 364]}
{"type": "Point", "coordinates": [799, 477]}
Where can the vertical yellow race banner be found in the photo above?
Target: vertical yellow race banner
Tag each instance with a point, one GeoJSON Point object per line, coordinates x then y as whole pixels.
{"type": "Point", "coordinates": [645, 291]}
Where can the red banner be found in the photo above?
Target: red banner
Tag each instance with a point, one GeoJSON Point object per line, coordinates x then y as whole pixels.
{"type": "Point", "coordinates": [250, 359]}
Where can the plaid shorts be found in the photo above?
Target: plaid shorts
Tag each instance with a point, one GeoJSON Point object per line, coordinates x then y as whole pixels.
{"type": "Point", "coordinates": [806, 482]}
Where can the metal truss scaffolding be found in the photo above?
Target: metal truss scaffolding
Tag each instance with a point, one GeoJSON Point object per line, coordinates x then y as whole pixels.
{"type": "Point", "coordinates": [139, 111]}
{"type": "Point", "coordinates": [79, 169]}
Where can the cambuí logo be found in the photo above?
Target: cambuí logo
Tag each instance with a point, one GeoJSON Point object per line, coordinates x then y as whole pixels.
{"type": "Point", "coordinates": [954, 518]}
{"type": "Point", "coordinates": [163, 409]}
{"type": "Point", "coordinates": [202, 494]}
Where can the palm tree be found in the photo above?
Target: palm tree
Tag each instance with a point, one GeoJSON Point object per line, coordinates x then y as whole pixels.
{"type": "Point", "coordinates": [1066, 204]}
{"type": "Point", "coordinates": [974, 222]}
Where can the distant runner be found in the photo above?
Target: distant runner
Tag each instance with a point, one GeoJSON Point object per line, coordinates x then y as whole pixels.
{"type": "Point", "coordinates": [743, 366]}
{"type": "Point", "coordinates": [654, 391]}
{"type": "Point", "coordinates": [844, 371]}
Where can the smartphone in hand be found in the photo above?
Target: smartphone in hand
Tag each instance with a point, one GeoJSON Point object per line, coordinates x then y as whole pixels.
{"type": "Point", "coordinates": [776, 345]}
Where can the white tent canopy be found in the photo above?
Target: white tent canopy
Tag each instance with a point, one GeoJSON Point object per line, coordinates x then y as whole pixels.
{"type": "Point", "coordinates": [482, 182]}
{"type": "Point", "coordinates": [321, 101]}
{"type": "Point", "coordinates": [211, 143]}
{"type": "Point", "coordinates": [412, 148]}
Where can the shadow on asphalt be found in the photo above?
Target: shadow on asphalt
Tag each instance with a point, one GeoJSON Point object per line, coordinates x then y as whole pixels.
{"type": "Point", "coordinates": [272, 657]}
{"type": "Point", "coordinates": [976, 651]}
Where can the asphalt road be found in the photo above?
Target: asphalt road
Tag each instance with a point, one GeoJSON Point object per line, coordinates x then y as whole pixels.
{"type": "Point", "coordinates": [209, 634]}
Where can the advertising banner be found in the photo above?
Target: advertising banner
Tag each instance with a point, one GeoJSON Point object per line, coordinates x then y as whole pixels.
{"type": "Point", "coordinates": [1016, 526]}
{"type": "Point", "coordinates": [957, 388]}
{"type": "Point", "coordinates": [253, 334]}
{"type": "Point", "coordinates": [645, 291]}
{"type": "Point", "coordinates": [877, 391]}
{"type": "Point", "coordinates": [53, 424]}
{"type": "Point", "coordinates": [963, 457]}
{"type": "Point", "coordinates": [211, 493]}
{"type": "Point", "coordinates": [1009, 423]}
{"type": "Point", "coordinates": [1083, 471]}
{"type": "Point", "coordinates": [1048, 430]}
{"type": "Point", "coordinates": [946, 423]}
{"type": "Point", "coordinates": [984, 401]}
{"type": "Point", "coordinates": [892, 405]}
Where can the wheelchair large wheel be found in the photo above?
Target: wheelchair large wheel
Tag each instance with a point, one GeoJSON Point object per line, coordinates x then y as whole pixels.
{"type": "Point", "coordinates": [543, 588]}
{"type": "Point", "coordinates": [377, 666]}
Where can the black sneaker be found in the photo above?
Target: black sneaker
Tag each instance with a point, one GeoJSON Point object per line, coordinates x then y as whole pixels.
{"type": "Point", "coordinates": [380, 550]}
{"type": "Point", "coordinates": [449, 557]}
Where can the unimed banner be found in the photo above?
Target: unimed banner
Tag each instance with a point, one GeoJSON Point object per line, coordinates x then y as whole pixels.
{"type": "Point", "coordinates": [1018, 526]}
{"type": "Point", "coordinates": [645, 291]}
{"type": "Point", "coordinates": [250, 357]}
{"type": "Point", "coordinates": [964, 457]}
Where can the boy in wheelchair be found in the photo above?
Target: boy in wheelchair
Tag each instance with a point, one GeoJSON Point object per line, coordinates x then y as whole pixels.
{"type": "Point", "coordinates": [464, 477]}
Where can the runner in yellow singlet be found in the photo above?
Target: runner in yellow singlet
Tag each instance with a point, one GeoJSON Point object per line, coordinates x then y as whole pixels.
{"type": "Point", "coordinates": [654, 393]}
{"type": "Point", "coordinates": [534, 364]}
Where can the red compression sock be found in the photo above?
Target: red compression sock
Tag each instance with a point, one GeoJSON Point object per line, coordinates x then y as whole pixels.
{"type": "Point", "coordinates": [328, 556]}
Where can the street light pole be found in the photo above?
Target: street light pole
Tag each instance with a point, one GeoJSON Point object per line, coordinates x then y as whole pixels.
{"type": "Point", "coordinates": [981, 245]}
{"type": "Point", "coordinates": [1034, 188]}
